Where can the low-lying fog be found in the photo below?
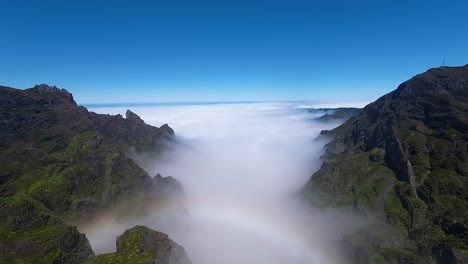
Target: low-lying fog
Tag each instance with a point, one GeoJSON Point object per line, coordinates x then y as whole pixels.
{"type": "Point", "coordinates": [242, 167]}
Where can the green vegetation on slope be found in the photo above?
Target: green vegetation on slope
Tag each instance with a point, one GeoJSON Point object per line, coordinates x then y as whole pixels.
{"type": "Point", "coordinates": [141, 245]}
{"type": "Point", "coordinates": [60, 163]}
{"type": "Point", "coordinates": [404, 161]}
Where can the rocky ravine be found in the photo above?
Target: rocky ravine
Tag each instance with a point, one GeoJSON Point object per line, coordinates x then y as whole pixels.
{"type": "Point", "coordinates": [60, 163]}
{"type": "Point", "coordinates": [403, 161]}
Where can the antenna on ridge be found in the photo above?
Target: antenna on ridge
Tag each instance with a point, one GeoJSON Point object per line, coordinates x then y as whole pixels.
{"type": "Point", "coordinates": [443, 62]}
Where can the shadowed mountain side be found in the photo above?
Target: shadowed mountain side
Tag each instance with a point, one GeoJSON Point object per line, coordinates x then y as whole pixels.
{"type": "Point", "coordinates": [61, 163]}
{"type": "Point", "coordinates": [404, 160]}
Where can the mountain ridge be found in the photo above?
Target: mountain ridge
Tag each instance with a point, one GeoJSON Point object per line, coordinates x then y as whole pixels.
{"type": "Point", "coordinates": [60, 163]}
{"type": "Point", "coordinates": [404, 159]}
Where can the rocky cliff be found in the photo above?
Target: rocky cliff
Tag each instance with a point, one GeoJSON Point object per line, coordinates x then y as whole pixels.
{"type": "Point", "coordinates": [60, 163]}
{"type": "Point", "coordinates": [404, 161]}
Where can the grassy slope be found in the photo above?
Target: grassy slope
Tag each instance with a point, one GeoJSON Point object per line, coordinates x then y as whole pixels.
{"type": "Point", "coordinates": [58, 162]}
{"type": "Point", "coordinates": [141, 245]}
{"type": "Point", "coordinates": [408, 152]}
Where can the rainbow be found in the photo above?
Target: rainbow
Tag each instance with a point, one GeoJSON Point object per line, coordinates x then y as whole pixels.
{"type": "Point", "coordinates": [256, 220]}
{"type": "Point", "coordinates": [253, 218]}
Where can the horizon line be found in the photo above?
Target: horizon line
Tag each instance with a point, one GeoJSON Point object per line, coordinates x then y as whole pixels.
{"type": "Point", "coordinates": [313, 103]}
{"type": "Point", "coordinates": [192, 103]}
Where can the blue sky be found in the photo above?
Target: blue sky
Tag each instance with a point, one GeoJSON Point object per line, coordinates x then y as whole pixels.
{"type": "Point", "coordinates": [166, 51]}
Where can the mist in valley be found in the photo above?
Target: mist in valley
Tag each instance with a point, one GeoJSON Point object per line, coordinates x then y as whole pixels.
{"type": "Point", "coordinates": [242, 167]}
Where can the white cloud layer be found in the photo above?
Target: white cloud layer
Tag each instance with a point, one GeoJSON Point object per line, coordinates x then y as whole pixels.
{"type": "Point", "coordinates": [242, 166]}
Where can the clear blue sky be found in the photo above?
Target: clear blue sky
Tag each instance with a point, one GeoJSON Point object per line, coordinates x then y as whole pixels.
{"type": "Point", "coordinates": [162, 51]}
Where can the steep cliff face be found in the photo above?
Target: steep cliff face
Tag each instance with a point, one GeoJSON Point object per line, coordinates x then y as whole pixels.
{"type": "Point", "coordinates": [59, 162]}
{"type": "Point", "coordinates": [404, 160]}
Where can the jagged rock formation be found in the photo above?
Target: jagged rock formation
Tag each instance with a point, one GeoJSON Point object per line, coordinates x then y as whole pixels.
{"type": "Point", "coordinates": [404, 160]}
{"type": "Point", "coordinates": [59, 162]}
{"type": "Point", "coordinates": [144, 246]}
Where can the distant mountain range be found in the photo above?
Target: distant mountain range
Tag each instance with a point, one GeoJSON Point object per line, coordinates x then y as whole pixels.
{"type": "Point", "coordinates": [403, 162]}
{"type": "Point", "coordinates": [330, 114]}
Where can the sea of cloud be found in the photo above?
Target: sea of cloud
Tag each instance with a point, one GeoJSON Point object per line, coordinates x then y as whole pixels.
{"type": "Point", "coordinates": [242, 167]}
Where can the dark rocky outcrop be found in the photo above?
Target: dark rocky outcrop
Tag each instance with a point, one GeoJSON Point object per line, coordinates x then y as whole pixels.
{"type": "Point", "coordinates": [404, 160]}
{"type": "Point", "coordinates": [168, 184]}
{"type": "Point", "coordinates": [144, 246]}
{"type": "Point", "coordinates": [61, 163]}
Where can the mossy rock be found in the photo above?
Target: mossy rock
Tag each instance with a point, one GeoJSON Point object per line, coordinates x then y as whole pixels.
{"type": "Point", "coordinates": [49, 244]}
{"type": "Point", "coordinates": [141, 245]}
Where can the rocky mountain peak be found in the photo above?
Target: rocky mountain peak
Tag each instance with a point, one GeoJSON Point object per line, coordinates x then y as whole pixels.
{"type": "Point", "coordinates": [444, 81]}
{"type": "Point", "coordinates": [55, 95]}
{"type": "Point", "coordinates": [166, 129]}
{"type": "Point", "coordinates": [46, 88]}
{"type": "Point", "coordinates": [132, 116]}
